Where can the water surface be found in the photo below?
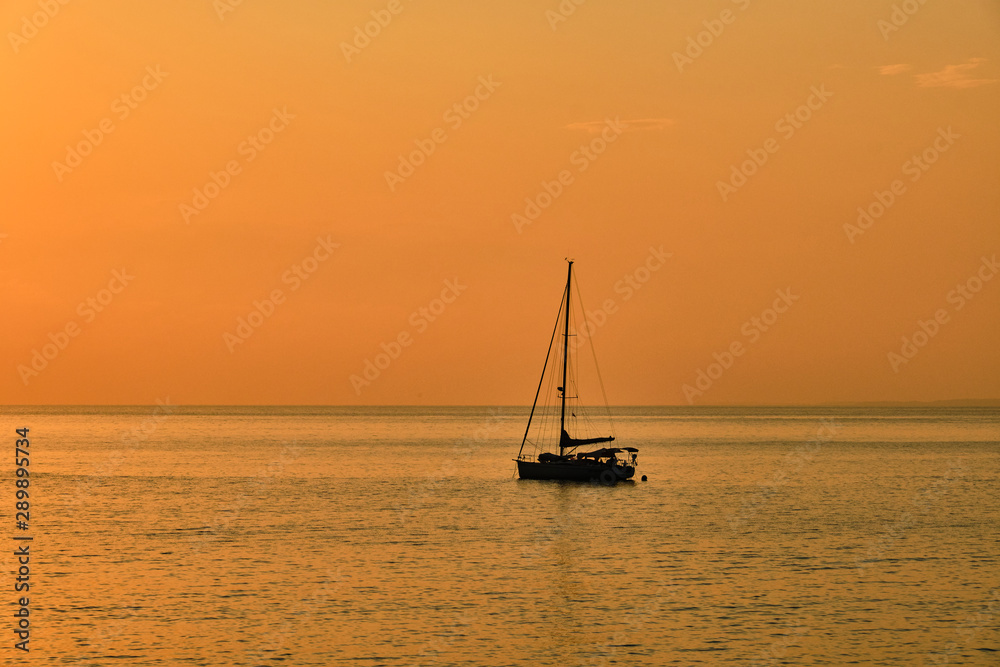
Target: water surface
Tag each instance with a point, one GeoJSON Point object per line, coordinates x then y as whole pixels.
{"type": "Point", "coordinates": [399, 536]}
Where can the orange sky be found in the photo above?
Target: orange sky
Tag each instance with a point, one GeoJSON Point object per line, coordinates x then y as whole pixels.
{"type": "Point", "coordinates": [672, 120]}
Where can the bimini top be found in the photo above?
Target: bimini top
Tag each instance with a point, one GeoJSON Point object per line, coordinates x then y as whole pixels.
{"type": "Point", "coordinates": [607, 451]}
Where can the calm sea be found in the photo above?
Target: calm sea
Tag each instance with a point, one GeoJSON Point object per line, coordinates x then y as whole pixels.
{"type": "Point", "coordinates": [400, 536]}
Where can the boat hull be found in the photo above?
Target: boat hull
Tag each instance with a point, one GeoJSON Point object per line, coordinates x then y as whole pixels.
{"type": "Point", "coordinates": [574, 472]}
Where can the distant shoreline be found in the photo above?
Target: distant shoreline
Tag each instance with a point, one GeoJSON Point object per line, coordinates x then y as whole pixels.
{"type": "Point", "coordinates": [953, 403]}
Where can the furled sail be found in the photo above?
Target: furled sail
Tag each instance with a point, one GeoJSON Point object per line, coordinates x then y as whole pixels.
{"type": "Point", "coordinates": [566, 442]}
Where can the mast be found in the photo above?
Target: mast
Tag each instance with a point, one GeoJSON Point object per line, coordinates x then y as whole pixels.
{"type": "Point", "coordinates": [562, 415]}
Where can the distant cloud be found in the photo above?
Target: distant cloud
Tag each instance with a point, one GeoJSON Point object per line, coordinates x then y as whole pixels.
{"type": "Point", "coordinates": [889, 70]}
{"type": "Point", "coordinates": [635, 125]}
{"type": "Point", "coordinates": [954, 76]}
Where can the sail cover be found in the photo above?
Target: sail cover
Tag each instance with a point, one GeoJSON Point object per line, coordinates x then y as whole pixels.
{"type": "Point", "coordinates": [566, 442]}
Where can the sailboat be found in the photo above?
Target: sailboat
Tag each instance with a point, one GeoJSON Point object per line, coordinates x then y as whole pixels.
{"type": "Point", "coordinates": [606, 464]}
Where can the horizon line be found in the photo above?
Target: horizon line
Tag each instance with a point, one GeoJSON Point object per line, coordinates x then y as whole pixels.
{"type": "Point", "coordinates": [969, 402]}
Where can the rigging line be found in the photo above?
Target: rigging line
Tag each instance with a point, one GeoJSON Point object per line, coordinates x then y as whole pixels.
{"type": "Point", "coordinates": [593, 352]}
{"type": "Point", "coordinates": [535, 402]}
{"type": "Point", "coordinates": [549, 414]}
{"type": "Point", "coordinates": [548, 431]}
